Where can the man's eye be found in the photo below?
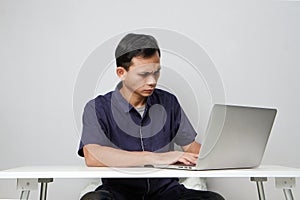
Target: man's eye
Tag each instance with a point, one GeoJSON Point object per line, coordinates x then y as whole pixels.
{"type": "Point", "coordinates": [156, 73]}
{"type": "Point", "coordinates": [145, 74]}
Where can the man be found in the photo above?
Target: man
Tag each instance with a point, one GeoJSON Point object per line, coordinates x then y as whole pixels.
{"type": "Point", "coordinates": [137, 125]}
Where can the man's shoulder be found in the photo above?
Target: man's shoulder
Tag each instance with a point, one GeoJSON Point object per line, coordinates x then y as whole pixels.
{"type": "Point", "coordinates": [104, 97]}
{"type": "Point", "coordinates": [101, 99]}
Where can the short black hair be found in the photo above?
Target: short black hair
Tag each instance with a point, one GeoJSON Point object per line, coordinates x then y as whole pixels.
{"type": "Point", "coordinates": [133, 45]}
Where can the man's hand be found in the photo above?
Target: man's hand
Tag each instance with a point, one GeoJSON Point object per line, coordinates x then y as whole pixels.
{"type": "Point", "coordinates": [173, 157]}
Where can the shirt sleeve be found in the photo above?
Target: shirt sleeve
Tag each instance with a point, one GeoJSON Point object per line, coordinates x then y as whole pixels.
{"type": "Point", "coordinates": [186, 134]}
{"type": "Point", "coordinates": [92, 132]}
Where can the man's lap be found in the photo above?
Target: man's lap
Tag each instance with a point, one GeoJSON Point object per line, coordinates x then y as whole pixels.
{"type": "Point", "coordinates": [187, 194]}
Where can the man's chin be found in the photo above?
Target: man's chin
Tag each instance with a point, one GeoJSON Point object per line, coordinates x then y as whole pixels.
{"type": "Point", "coordinates": [147, 94]}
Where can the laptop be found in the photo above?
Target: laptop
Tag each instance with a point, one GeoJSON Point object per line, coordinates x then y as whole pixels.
{"type": "Point", "coordinates": [235, 138]}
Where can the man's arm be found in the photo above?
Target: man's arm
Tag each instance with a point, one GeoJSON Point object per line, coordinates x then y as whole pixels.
{"type": "Point", "coordinates": [99, 156]}
{"type": "Point", "coordinates": [193, 147]}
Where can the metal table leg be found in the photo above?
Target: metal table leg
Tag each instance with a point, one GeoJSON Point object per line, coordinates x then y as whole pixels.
{"type": "Point", "coordinates": [260, 188]}
{"type": "Point", "coordinates": [44, 186]}
{"type": "Point", "coordinates": [25, 194]}
{"type": "Point", "coordinates": [288, 194]}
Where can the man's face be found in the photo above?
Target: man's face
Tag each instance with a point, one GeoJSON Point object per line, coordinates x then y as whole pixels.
{"type": "Point", "coordinates": [142, 76]}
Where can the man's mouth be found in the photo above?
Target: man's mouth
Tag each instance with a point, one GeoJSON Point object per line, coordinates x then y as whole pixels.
{"type": "Point", "coordinates": [149, 90]}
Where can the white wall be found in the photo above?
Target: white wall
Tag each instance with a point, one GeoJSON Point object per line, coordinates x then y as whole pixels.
{"type": "Point", "coordinates": [254, 45]}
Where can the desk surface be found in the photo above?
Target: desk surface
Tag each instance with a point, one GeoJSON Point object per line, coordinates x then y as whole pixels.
{"type": "Point", "coordinates": [140, 172]}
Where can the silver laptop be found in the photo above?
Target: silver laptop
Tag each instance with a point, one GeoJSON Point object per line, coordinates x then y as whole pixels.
{"type": "Point", "coordinates": [236, 137]}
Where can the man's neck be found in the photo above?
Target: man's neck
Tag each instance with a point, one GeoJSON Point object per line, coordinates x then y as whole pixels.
{"type": "Point", "coordinates": [134, 99]}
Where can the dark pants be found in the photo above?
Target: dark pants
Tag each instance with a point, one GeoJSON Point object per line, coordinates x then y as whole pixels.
{"type": "Point", "coordinates": [187, 194]}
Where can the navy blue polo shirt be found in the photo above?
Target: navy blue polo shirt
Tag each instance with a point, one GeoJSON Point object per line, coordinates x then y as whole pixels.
{"type": "Point", "coordinates": [109, 120]}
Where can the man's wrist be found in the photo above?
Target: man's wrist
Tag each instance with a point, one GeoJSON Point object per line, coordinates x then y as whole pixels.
{"type": "Point", "coordinates": [149, 158]}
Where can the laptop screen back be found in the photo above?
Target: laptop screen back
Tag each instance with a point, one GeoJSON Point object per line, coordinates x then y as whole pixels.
{"type": "Point", "coordinates": [236, 137]}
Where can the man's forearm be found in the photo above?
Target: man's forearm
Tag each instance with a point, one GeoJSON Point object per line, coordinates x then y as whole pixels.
{"type": "Point", "coordinates": [98, 156]}
{"type": "Point", "coordinates": [194, 147]}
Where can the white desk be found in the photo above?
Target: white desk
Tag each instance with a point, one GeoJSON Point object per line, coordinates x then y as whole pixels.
{"type": "Point", "coordinates": [29, 176]}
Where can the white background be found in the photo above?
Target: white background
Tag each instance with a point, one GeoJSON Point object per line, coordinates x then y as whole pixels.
{"type": "Point", "coordinates": [43, 44]}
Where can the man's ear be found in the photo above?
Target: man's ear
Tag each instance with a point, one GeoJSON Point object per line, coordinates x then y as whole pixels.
{"type": "Point", "coordinates": [121, 72]}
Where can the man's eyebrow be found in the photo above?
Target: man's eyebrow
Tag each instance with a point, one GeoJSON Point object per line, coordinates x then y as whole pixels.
{"type": "Point", "coordinates": [159, 68]}
{"type": "Point", "coordinates": [151, 71]}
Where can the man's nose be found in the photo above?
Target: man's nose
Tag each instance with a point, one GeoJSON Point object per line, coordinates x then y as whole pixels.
{"type": "Point", "coordinates": [151, 80]}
